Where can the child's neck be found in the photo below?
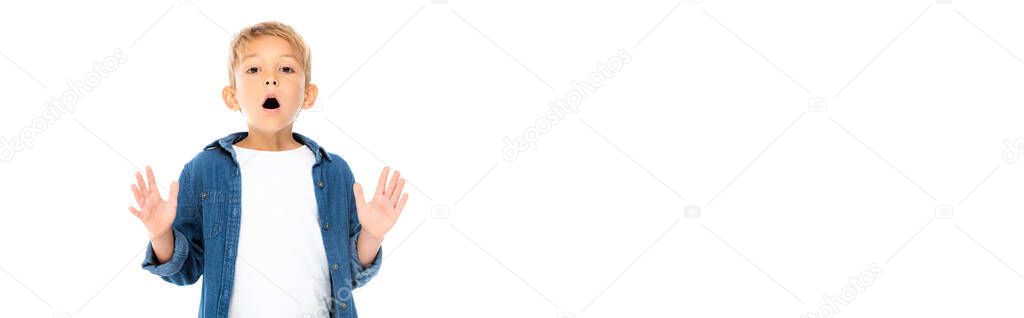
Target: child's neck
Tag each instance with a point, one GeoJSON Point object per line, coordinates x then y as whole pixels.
{"type": "Point", "coordinates": [276, 141]}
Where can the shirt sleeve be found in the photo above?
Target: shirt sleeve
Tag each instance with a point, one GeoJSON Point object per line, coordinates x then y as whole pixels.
{"type": "Point", "coordinates": [360, 274]}
{"type": "Point", "coordinates": [186, 264]}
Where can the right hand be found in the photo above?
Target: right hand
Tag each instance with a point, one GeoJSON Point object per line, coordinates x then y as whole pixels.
{"type": "Point", "coordinates": [155, 213]}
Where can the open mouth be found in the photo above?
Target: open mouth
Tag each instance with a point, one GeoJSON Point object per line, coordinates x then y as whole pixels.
{"type": "Point", "coordinates": [271, 103]}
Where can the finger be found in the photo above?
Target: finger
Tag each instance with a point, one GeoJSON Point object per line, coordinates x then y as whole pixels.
{"type": "Point", "coordinates": [392, 184]}
{"type": "Point", "coordinates": [398, 191]}
{"type": "Point", "coordinates": [152, 180]}
{"type": "Point", "coordinates": [382, 181]}
{"type": "Point", "coordinates": [135, 212]}
{"type": "Point", "coordinates": [138, 195]}
{"type": "Point", "coordinates": [141, 183]}
{"type": "Point", "coordinates": [357, 191]}
{"type": "Point", "coordinates": [173, 194]}
{"type": "Point", "coordinates": [401, 204]}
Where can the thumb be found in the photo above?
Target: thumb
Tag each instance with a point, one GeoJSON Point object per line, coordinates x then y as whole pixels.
{"type": "Point", "coordinates": [172, 196]}
{"type": "Point", "coordinates": [357, 191]}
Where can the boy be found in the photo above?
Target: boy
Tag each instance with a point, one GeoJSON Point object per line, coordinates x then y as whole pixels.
{"type": "Point", "coordinates": [274, 223]}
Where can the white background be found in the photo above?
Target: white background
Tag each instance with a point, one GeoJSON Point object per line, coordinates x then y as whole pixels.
{"type": "Point", "coordinates": [713, 111]}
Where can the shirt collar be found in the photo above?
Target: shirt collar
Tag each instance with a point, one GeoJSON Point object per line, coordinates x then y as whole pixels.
{"type": "Point", "coordinates": [228, 142]}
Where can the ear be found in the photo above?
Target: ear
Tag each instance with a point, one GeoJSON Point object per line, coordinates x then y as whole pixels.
{"type": "Point", "coordinates": [311, 93]}
{"type": "Point", "coordinates": [230, 100]}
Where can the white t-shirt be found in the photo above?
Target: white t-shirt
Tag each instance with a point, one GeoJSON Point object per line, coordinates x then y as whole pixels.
{"type": "Point", "coordinates": [281, 270]}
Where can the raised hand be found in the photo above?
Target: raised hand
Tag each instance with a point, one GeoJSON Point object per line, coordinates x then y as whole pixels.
{"type": "Point", "coordinates": [155, 213]}
{"type": "Point", "coordinates": [381, 213]}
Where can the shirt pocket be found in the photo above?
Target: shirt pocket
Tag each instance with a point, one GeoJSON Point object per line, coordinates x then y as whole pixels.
{"type": "Point", "coordinates": [214, 207]}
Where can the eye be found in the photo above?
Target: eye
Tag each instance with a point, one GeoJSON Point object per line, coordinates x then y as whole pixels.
{"type": "Point", "coordinates": [287, 69]}
{"type": "Point", "coordinates": [252, 70]}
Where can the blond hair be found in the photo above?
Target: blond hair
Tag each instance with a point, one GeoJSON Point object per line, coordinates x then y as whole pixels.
{"type": "Point", "coordinates": [269, 28]}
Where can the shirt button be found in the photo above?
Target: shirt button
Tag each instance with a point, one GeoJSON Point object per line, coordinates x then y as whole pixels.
{"type": "Point", "coordinates": [335, 267]}
{"type": "Point", "coordinates": [327, 226]}
{"type": "Point", "coordinates": [343, 306]}
{"type": "Point", "coordinates": [320, 184]}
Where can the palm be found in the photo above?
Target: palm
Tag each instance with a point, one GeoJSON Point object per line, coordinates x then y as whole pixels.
{"type": "Point", "coordinates": [380, 214]}
{"type": "Point", "coordinates": [155, 213]}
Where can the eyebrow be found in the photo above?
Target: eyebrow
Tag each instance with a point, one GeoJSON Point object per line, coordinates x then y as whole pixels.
{"type": "Point", "coordinates": [255, 54]}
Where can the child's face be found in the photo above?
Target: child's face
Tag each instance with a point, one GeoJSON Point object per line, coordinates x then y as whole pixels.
{"type": "Point", "coordinates": [270, 85]}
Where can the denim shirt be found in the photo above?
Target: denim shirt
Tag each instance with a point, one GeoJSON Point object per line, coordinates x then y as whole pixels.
{"type": "Point", "coordinates": [207, 224]}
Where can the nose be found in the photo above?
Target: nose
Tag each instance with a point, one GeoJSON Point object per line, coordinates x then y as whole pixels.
{"type": "Point", "coordinates": [271, 83]}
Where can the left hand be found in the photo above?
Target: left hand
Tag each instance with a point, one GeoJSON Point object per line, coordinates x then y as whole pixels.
{"type": "Point", "coordinates": [380, 214]}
